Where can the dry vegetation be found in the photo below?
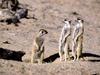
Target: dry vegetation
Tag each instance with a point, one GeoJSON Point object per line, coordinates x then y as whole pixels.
{"type": "Point", "coordinates": [49, 14]}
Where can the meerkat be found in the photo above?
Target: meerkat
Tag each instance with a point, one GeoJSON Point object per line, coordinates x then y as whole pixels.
{"type": "Point", "coordinates": [77, 39]}
{"type": "Point", "coordinates": [64, 40]}
{"type": "Point", "coordinates": [38, 47]}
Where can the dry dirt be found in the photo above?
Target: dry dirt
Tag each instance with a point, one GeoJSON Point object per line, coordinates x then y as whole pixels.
{"type": "Point", "coordinates": [50, 14]}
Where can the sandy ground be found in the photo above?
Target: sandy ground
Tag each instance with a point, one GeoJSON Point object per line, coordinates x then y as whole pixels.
{"type": "Point", "coordinates": [50, 14]}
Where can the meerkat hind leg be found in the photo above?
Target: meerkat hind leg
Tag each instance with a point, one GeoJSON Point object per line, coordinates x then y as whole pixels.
{"type": "Point", "coordinates": [41, 58]}
{"type": "Point", "coordinates": [66, 52]}
{"type": "Point", "coordinates": [32, 59]}
{"type": "Point", "coordinates": [61, 55]}
{"type": "Point", "coordinates": [73, 50]}
{"type": "Point", "coordinates": [79, 49]}
{"type": "Point", "coordinates": [40, 61]}
{"type": "Point", "coordinates": [61, 52]}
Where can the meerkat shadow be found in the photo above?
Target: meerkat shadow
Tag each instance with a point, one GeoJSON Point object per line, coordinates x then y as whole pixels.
{"type": "Point", "coordinates": [92, 55]}
{"type": "Point", "coordinates": [51, 58]}
{"type": "Point", "coordinates": [94, 60]}
{"type": "Point", "coordinates": [11, 55]}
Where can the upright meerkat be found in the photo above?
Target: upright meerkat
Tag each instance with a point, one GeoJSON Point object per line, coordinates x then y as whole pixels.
{"type": "Point", "coordinates": [64, 40]}
{"type": "Point", "coordinates": [38, 47]}
{"type": "Point", "coordinates": [77, 39]}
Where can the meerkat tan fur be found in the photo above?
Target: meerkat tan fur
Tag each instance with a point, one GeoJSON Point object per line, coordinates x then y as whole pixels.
{"type": "Point", "coordinates": [64, 41]}
{"type": "Point", "coordinates": [77, 39]}
{"type": "Point", "coordinates": [38, 47]}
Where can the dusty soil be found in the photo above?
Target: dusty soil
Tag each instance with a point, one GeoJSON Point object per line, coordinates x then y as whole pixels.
{"type": "Point", "coordinates": [50, 14]}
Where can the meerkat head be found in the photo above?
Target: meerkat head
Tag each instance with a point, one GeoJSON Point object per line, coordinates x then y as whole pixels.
{"type": "Point", "coordinates": [67, 21]}
{"type": "Point", "coordinates": [80, 20]}
{"type": "Point", "coordinates": [43, 32]}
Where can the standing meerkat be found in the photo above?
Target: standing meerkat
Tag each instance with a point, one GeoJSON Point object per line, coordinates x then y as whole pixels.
{"type": "Point", "coordinates": [64, 40]}
{"type": "Point", "coordinates": [38, 47]}
{"type": "Point", "coordinates": [77, 39]}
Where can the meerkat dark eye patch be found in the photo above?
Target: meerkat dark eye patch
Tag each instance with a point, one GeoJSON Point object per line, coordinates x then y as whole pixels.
{"type": "Point", "coordinates": [70, 21]}
{"type": "Point", "coordinates": [65, 19]}
{"type": "Point", "coordinates": [43, 31]}
{"type": "Point", "coordinates": [78, 18]}
{"type": "Point", "coordinates": [82, 21]}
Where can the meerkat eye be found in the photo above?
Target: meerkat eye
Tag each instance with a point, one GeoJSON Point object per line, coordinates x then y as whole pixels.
{"type": "Point", "coordinates": [82, 21]}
